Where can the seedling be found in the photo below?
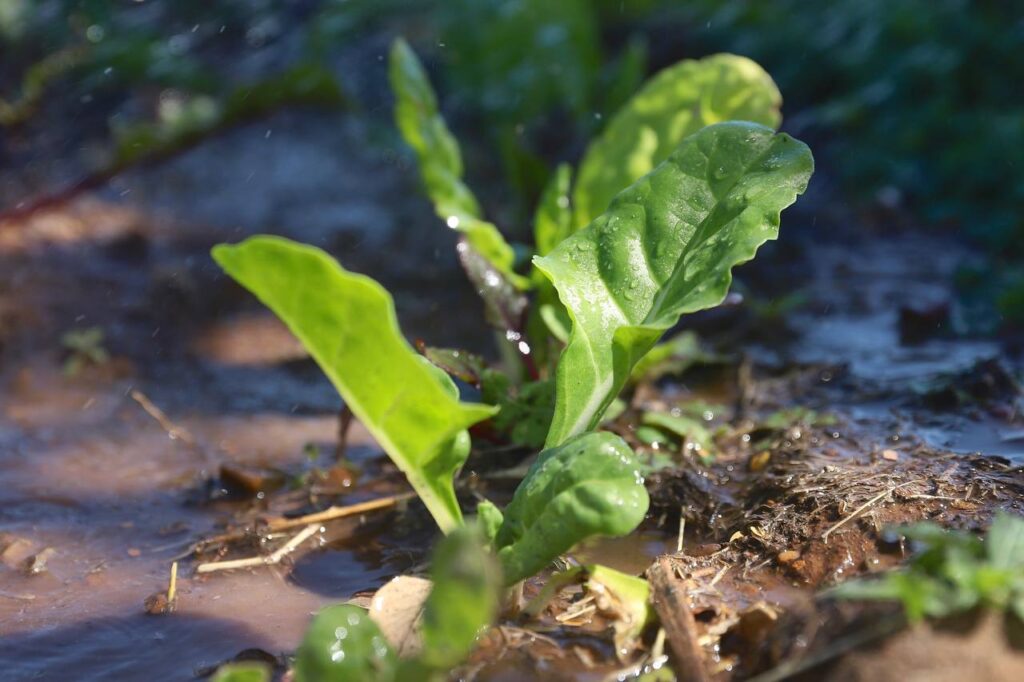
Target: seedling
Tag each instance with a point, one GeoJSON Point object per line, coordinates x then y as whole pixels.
{"type": "Point", "coordinates": [664, 207]}
{"type": "Point", "coordinates": [952, 572]}
{"type": "Point", "coordinates": [84, 347]}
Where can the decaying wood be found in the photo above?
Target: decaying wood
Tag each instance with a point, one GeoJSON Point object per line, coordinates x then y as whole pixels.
{"type": "Point", "coordinates": [668, 595]}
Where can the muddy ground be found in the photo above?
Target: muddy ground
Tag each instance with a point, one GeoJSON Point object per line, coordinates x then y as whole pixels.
{"type": "Point", "coordinates": [207, 416]}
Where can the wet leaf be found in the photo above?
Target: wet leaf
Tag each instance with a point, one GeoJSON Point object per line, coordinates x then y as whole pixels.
{"type": "Point", "coordinates": [347, 322]}
{"type": "Point", "coordinates": [440, 160]}
{"type": "Point", "coordinates": [690, 430]}
{"type": "Point", "coordinates": [504, 304]}
{"type": "Point", "coordinates": [461, 364]}
{"type": "Point", "coordinates": [588, 486]}
{"type": "Point", "coordinates": [665, 247]}
{"type": "Point", "coordinates": [672, 105]}
{"type": "Point", "coordinates": [343, 644]}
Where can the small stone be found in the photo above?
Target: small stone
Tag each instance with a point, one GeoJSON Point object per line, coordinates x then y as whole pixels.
{"type": "Point", "coordinates": [36, 563]}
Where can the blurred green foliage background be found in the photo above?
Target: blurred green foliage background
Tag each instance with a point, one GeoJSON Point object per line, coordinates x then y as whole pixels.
{"type": "Point", "coordinates": [911, 105]}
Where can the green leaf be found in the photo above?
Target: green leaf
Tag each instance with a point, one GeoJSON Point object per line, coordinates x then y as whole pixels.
{"type": "Point", "coordinates": [588, 486]}
{"type": "Point", "coordinates": [1005, 543]}
{"type": "Point", "coordinates": [242, 672]}
{"type": "Point", "coordinates": [440, 161]}
{"type": "Point", "coordinates": [672, 357]}
{"type": "Point", "coordinates": [687, 428]}
{"type": "Point", "coordinates": [630, 601]}
{"type": "Point", "coordinates": [343, 644]}
{"type": "Point", "coordinates": [489, 518]}
{"type": "Point", "coordinates": [525, 413]}
{"type": "Point", "coordinates": [553, 221]}
{"type": "Point", "coordinates": [461, 364]}
{"type": "Point", "coordinates": [347, 322]}
{"type": "Point", "coordinates": [672, 105]}
{"type": "Point", "coordinates": [464, 600]}
{"type": "Point", "coordinates": [665, 247]}
{"type": "Point", "coordinates": [921, 595]}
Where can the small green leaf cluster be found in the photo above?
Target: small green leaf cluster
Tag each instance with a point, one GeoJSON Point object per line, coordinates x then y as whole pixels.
{"type": "Point", "coordinates": [953, 572]}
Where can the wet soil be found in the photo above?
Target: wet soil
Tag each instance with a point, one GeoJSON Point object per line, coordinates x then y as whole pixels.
{"type": "Point", "coordinates": [209, 417]}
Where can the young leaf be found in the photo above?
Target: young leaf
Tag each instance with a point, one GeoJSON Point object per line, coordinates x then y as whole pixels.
{"type": "Point", "coordinates": [689, 429]}
{"type": "Point", "coordinates": [672, 357]}
{"type": "Point", "coordinates": [347, 322]}
{"type": "Point", "coordinates": [1005, 543]}
{"type": "Point", "coordinates": [465, 598]}
{"type": "Point", "coordinates": [553, 221]}
{"type": "Point", "coordinates": [440, 160]}
{"type": "Point", "coordinates": [623, 597]}
{"type": "Point", "coordinates": [343, 644]}
{"type": "Point", "coordinates": [665, 247]}
{"type": "Point", "coordinates": [525, 410]}
{"type": "Point", "coordinates": [672, 105]}
{"type": "Point", "coordinates": [585, 487]}
{"type": "Point", "coordinates": [242, 672]}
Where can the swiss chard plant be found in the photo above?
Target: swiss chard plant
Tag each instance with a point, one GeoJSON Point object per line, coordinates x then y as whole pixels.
{"type": "Point", "coordinates": [669, 198]}
{"type": "Point", "coordinates": [952, 572]}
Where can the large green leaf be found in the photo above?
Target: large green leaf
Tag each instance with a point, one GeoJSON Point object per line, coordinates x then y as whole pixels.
{"type": "Point", "coordinates": [588, 486]}
{"type": "Point", "coordinates": [672, 105]}
{"type": "Point", "coordinates": [347, 322]}
{"type": "Point", "coordinates": [440, 161]}
{"type": "Point", "coordinates": [665, 247]}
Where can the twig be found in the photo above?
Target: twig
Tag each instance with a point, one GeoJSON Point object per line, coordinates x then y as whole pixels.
{"type": "Point", "coordinates": [270, 560]}
{"type": "Point", "coordinates": [669, 600]}
{"type": "Point", "coordinates": [856, 512]}
{"type": "Point", "coordinates": [682, 530]}
{"type": "Point", "coordinates": [172, 587]}
{"type": "Point", "coordinates": [173, 430]}
{"type": "Point", "coordinates": [332, 513]}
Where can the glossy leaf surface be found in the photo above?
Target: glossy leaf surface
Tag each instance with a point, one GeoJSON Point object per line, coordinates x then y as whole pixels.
{"type": "Point", "coordinates": [589, 486]}
{"type": "Point", "coordinates": [343, 644]}
{"type": "Point", "coordinates": [665, 247]}
{"type": "Point", "coordinates": [347, 322]}
{"type": "Point", "coordinates": [672, 105]}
